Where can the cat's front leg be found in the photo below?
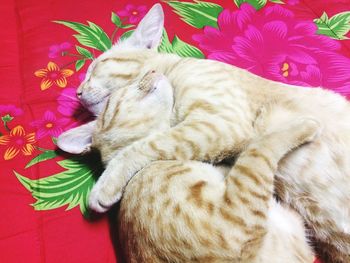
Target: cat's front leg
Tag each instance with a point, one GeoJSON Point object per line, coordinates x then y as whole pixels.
{"type": "Point", "coordinates": [109, 187]}
{"type": "Point", "coordinates": [202, 140]}
{"type": "Point", "coordinates": [121, 168]}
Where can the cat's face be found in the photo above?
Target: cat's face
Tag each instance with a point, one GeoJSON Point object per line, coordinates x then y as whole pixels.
{"type": "Point", "coordinates": [123, 64]}
{"type": "Point", "coordinates": [139, 108]}
{"type": "Point", "coordinates": [132, 113]}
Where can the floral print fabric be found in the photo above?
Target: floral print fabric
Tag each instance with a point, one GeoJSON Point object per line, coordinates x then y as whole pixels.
{"type": "Point", "coordinates": [46, 48]}
{"type": "Point", "coordinates": [273, 44]}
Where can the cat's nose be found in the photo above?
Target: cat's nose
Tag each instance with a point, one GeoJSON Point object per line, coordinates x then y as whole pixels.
{"type": "Point", "coordinates": [79, 93]}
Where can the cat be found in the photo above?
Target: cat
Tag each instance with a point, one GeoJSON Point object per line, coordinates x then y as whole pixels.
{"type": "Point", "coordinates": [214, 112]}
{"type": "Point", "coordinates": [188, 211]}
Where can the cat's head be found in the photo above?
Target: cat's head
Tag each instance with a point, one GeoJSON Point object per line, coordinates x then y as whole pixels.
{"type": "Point", "coordinates": [131, 113]}
{"type": "Point", "coordinates": [123, 63]}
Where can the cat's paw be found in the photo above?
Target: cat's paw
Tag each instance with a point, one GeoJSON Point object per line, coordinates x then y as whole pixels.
{"type": "Point", "coordinates": [102, 198]}
{"type": "Point", "coordinates": [309, 129]}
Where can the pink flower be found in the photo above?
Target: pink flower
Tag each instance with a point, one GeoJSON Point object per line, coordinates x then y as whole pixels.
{"type": "Point", "coordinates": [49, 125]}
{"type": "Point", "coordinates": [11, 110]}
{"type": "Point", "coordinates": [134, 13]}
{"type": "Point", "coordinates": [81, 76]}
{"type": "Point", "coordinates": [56, 50]}
{"type": "Point", "coordinates": [69, 105]}
{"type": "Point", "coordinates": [293, 2]}
{"type": "Point", "coordinates": [273, 44]}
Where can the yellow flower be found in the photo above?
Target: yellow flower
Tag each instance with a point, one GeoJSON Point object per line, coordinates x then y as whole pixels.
{"type": "Point", "coordinates": [18, 141]}
{"type": "Point", "coordinates": [53, 75]}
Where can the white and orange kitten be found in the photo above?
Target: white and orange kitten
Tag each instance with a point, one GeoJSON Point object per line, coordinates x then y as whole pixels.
{"type": "Point", "coordinates": [189, 211]}
{"type": "Point", "coordinates": [215, 109]}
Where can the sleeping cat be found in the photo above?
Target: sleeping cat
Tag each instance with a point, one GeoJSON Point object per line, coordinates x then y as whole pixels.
{"type": "Point", "coordinates": [214, 114]}
{"type": "Point", "coordinates": [187, 211]}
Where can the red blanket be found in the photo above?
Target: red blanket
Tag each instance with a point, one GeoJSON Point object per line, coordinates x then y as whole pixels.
{"type": "Point", "coordinates": [45, 49]}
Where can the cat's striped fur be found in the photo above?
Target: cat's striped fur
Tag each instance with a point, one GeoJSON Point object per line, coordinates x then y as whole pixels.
{"type": "Point", "coordinates": [188, 211]}
{"type": "Point", "coordinates": [183, 211]}
{"type": "Point", "coordinates": [214, 112]}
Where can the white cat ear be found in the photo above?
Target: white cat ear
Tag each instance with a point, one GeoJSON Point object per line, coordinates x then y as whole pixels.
{"type": "Point", "coordinates": [77, 140]}
{"type": "Point", "coordinates": [148, 33]}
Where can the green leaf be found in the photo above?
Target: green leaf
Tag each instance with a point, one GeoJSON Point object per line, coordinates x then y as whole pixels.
{"type": "Point", "coordinates": [47, 155]}
{"type": "Point", "coordinates": [68, 188]}
{"type": "Point", "coordinates": [197, 14]}
{"type": "Point", "coordinates": [126, 26]}
{"type": "Point", "coordinates": [86, 53]}
{"type": "Point", "coordinates": [118, 23]}
{"type": "Point", "coordinates": [90, 35]}
{"type": "Point", "coordinates": [54, 140]}
{"type": "Point", "coordinates": [277, 1]}
{"type": "Point", "coordinates": [116, 20]}
{"type": "Point", "coordinates": [126, 34]}
{"type": "Point", "coordinates": [165, 45]}
{"type": "Point", "coordinates": [7, 118]}
{"type": "Point", "coordinates": [185, 50]}
{"type": "Point", "coordinates": [335, 27]}
{"type": "Point", "coordinates": [257, 4]}
{"type": "Point", "coordinates": [179, 47]}
{"type": "Point", "coordinates": [102, 35]}
{"type": "Point", "coordinates": [238, 2]}
{"type": "Point", "coordinates": [79, 64]}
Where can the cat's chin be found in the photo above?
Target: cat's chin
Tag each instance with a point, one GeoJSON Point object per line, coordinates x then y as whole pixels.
{"type": "Point", "coordinates": [96, 108]}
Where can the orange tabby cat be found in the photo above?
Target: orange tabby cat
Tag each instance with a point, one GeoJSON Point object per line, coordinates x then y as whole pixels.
{"type": "Point", "coordinates": [215, 108]}
{"type": "Point", "coordinates": [188, 211]}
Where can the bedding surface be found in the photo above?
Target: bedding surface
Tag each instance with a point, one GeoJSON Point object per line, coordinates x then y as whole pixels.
{"type": "Point", "coordinates": [46, 47]}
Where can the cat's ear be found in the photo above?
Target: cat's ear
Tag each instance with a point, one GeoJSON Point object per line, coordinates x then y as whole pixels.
{"type": "Point", "coordinates": [77, 140]}
{"type": "Point", "coordinates": [148, 33]}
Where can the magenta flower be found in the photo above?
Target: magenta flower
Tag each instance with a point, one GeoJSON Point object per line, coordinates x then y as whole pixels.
{"type": "Point", "coordinates": [11, 110]}
{"type": "Point", "coordinates": [134, 13]}
{"type": "Point", "coordinates": [56, 50]}
{"type": "Point", "coordinates": [49, 125]}
{"type": "Point", "coordinates": [81, 76]}
{"type": "Point", "coordinates": [70, 106]}
{"type": "Point", "coordinates": [273, 44]}
{"type": "Point", "coordinates": [68, 103]}
{"type": "Point", "coordinates": [293, 2]}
